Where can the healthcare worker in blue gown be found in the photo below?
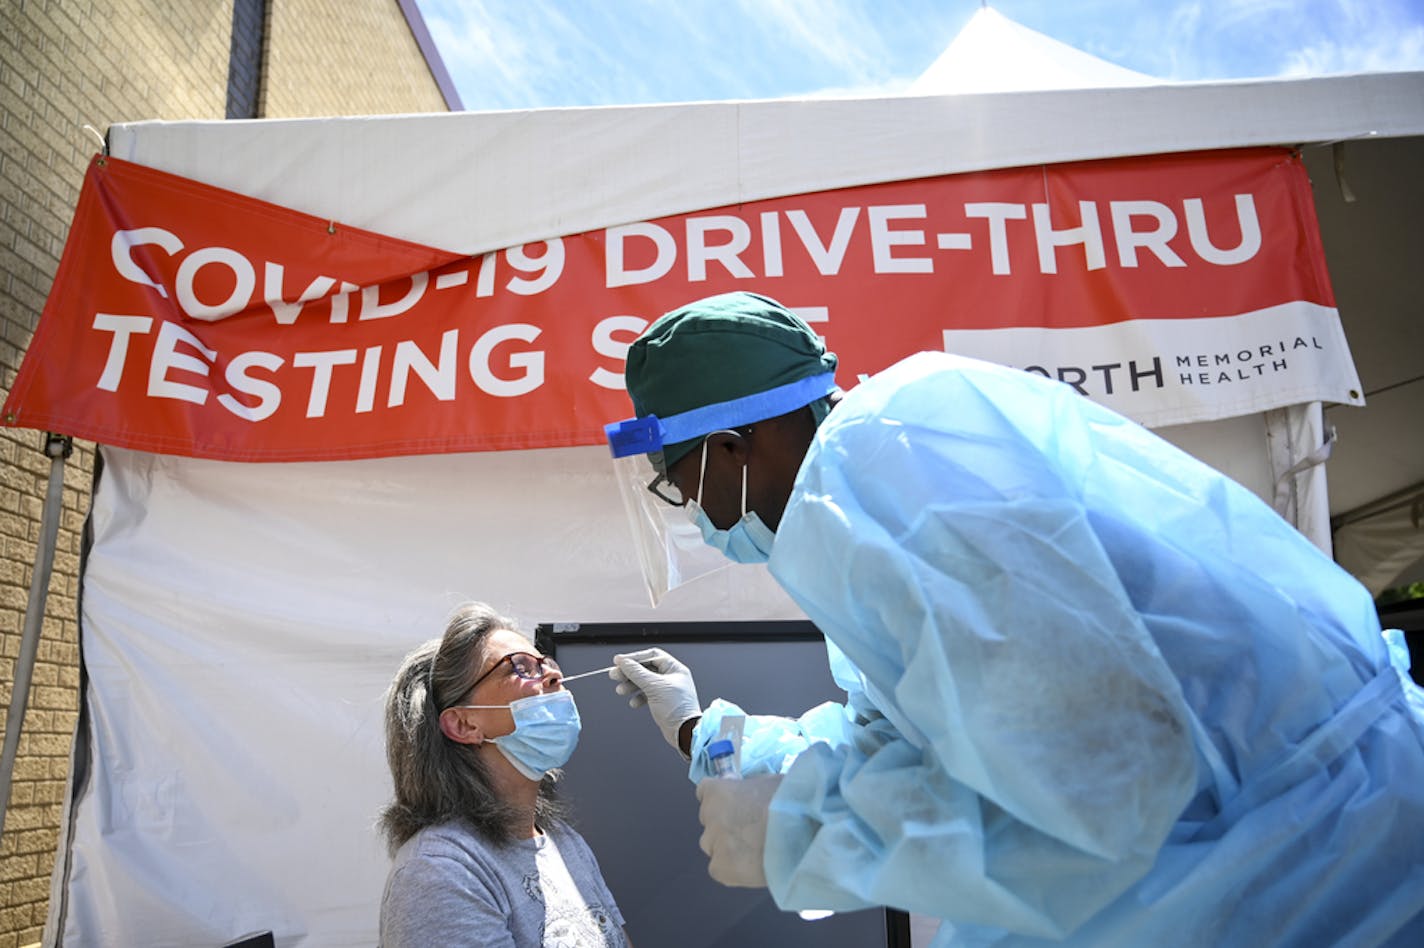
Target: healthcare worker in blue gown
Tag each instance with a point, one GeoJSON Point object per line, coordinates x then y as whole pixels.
{"type": "Point", "coordinates": [1096, 692]}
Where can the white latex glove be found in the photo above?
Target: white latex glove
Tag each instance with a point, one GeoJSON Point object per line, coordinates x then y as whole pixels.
{"type": "Point", "coordinates": [733, 815]}
{"type": "Point", "coordinates": [664, 684]}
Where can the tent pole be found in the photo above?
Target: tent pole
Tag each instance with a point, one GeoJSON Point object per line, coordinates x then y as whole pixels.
{"type": "Point", "coordinates": [56, 448]}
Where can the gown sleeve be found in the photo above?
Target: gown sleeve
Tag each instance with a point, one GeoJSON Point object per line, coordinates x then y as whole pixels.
{"type": "Point", "coordinates": [770, 743]}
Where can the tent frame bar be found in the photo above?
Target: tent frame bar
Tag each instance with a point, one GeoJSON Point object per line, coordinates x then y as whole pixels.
{"type": "Point", "coordinates": [57, 448]}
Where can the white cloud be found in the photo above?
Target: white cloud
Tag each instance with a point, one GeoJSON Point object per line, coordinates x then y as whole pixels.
{"type": "Point", "coordinates": [513, 55]}
{"type": "Point", "coordinates": [834, 31]}
{"type": "Point", "coordinates": [475, 46]}
{"type": "Point", "coordinates": [1220, 39]}
{"type": "Point", "coordinates": [1235, 14]}
{"type": "Point", "coordinates": [1381, 52]}
{"type": "Point", "coordinates": [535, 53]}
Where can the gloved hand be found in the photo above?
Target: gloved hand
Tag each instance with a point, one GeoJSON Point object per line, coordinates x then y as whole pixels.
{"type": "Point", "coordinates": [733, 815]}
{"type": "Point", "coordinates": [664, 684]}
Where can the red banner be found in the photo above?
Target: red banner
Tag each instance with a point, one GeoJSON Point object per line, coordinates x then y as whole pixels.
{"type": "Point", "coordinates": [189, 320]}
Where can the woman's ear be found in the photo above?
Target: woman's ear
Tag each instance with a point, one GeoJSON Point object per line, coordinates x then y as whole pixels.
{"type": "Point", "coordinates": [460, 728]}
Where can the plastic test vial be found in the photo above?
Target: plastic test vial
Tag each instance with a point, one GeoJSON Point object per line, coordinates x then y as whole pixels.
{"type": "Point", "coordinates": [723, 757]}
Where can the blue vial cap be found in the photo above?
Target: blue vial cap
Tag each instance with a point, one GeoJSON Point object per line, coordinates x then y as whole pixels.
{"type": "Point", "coordinates": [720, 748]}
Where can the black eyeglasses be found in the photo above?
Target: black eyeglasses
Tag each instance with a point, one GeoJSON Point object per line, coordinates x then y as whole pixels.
{"type": "Point", "coordinates": [666, 491]}
{"type": "Point", "coordinates": [525, 665]}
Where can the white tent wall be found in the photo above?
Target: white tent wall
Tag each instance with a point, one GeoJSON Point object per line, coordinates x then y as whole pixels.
{"type": "Point", "coordinates": [1369, 198]}
{"type": "Point", "coordinates": [236, 662]}
{"type": "Point", "coordinates": [240, 625]}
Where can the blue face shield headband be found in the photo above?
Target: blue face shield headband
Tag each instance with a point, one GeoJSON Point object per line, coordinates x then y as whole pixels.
{"type": "Point", "coordinates": [648, 434]}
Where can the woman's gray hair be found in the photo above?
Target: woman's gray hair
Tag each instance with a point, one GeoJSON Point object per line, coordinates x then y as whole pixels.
{"type": "Point", "coordinates": [438, 780]}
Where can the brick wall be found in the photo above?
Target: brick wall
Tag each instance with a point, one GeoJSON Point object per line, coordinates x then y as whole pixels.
{"type": "Point", "coordinates": [344, 57]}
{"type": "Point", "coordinates": [65, 64]}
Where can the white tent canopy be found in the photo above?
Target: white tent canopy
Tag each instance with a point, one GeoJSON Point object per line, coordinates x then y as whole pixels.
{"type": "Point", "coordinates": [1359, 136]}
{"type": "Point", "coordinates": [194, 823]}
{"type": "Point", "coordinates": [994, 54]}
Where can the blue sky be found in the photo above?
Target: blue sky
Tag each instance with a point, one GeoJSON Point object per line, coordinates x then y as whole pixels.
{"type": "Point", "coordinates": [515, 54]}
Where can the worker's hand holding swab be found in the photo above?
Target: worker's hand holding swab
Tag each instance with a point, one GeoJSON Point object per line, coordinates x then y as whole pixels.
{"type": "Point", "coordinates": [664, 684]}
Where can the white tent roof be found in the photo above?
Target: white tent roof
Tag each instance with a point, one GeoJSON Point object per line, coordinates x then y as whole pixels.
{"type": "Point", "coordinates": [506, 178]}
{"type": "Point", "coordinates": [590, 168]}
{"type": "Point", "coordinates": [994, 54]}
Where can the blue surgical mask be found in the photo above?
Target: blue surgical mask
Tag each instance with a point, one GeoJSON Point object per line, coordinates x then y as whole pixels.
{"type": "Point", "coordinates": [746, 541]}
{"type": "Point", "coordinates": [546, 731]}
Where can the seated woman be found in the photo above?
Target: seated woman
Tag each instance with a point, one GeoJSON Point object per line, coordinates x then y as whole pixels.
{"type": "Point", "coordinates": [476, 725]}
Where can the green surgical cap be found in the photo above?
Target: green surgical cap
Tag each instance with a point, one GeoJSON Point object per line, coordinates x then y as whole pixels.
{"type": "Point", "coordinates": [717, 349]}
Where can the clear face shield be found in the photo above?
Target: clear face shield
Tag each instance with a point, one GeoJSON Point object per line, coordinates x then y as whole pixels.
{"type": "Point", "coordinates": [669, 546]}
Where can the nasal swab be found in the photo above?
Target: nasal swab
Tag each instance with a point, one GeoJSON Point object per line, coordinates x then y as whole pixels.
{"type": "Point", "coordinates": [597, 671]}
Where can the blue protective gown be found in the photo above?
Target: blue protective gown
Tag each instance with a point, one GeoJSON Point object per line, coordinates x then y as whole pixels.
{"type": "Point", "coordinates": [1097, 692]}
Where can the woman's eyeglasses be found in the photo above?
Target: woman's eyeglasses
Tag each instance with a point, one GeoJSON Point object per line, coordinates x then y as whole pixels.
{"type": "Point", "coordinates": [525, 665]}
